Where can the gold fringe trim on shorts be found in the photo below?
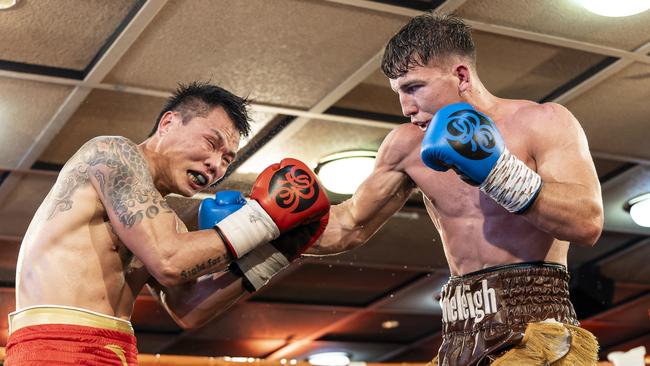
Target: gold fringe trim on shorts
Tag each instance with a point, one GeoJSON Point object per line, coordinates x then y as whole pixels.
{"type": "Point", "coordinates": [552, 343]}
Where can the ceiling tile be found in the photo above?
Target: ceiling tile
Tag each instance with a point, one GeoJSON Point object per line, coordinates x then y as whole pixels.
{"type": "Point", "coordinates": [283, 52]}
{"type": "Point", "coordinates": [368, 328]}
{"type": "Point", "coordinates": [518, 69]}
{"type": "Point", "coordinates": [561, 18]}
{"type": "Point", "coordinates": [629, 265]}
{"type": "Point", "coordinates": [8, 259]}
{"type": "Point", "coordinates": [373, 96]}
{"type": "Point", "coordinates": [65, 34]}
{"type": "Point", "coordinates": [313, 142]}
{"type": "Point", "coordinates": [617, 192]}
{"type": "Point", "coordinates": [17, 210]}
{"type": "Point", "coordinates": [409, 240]}
{"type": "Point", "coordinates": [607, 243]}
{"type": "Point", "coordinates": [614, 113]}
{"type": "Point", "coordinates": [421, 298]}
{"type": "Point", "coordinates": [609, 168]}
{"type": "Point", "coordinates": [333, 284]}
{"type": "Point", "coordinates": [20, 121]}
{"type": "Point", "coordinates": [104, 113]}
{"type": "Point", "coordinates": [268, 321]}
{"type": "Point", "coordinates": [621, 323]}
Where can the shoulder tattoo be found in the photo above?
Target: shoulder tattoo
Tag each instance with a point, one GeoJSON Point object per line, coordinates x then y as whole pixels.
{"type": "Point", "coordinates": [122, 176]}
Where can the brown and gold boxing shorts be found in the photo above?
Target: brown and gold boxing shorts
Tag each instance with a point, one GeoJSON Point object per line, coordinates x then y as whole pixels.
{"type": "Point", "coordinates": [488, 312]}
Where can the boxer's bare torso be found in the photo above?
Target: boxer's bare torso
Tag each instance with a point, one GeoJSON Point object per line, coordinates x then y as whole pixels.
{"type": "Point", "coordinates": [476, 232]}
{"type": "Point", "coordinates": [72, 256]}
{"type": "Point", "coordinates": [104, 230]}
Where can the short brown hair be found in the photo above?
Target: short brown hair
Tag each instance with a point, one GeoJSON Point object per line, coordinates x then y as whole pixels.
{"type": "Point", "coordinates": [424, 38]}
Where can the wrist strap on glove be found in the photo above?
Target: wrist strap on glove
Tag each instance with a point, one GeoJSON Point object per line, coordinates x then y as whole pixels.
{"type": "Point", "coordinates": [258, 266]}
{"type": "Point", "coordinates": [246, 228]}
{"type": "Point", "coordinates": [512, 184]}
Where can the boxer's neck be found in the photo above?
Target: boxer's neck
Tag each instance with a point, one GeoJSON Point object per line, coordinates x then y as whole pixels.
{"type": "Point", "coordinates": [155, 165]}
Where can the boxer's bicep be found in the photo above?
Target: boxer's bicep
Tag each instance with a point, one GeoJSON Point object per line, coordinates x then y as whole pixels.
{"type": "Point", "coordinates": [569, 205]}
{"type": "Point", "coordinates": [138, 213]}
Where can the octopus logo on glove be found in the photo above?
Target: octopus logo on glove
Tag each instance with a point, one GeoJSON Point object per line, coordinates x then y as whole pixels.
{"type": "Point", "coordinates": [293, 188]}
{"type": "Point", "coordinates": [471, 134]}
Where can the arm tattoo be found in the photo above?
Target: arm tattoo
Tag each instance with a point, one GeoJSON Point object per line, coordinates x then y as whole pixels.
{"type": "Point", "coordinates": [202, 267]}
{"type": "Point", "coordinates": [123, 177]}
{"type": "Point", "coordinates": [71, 180]}
{"type": "Point", "coordinates": [126, 183]}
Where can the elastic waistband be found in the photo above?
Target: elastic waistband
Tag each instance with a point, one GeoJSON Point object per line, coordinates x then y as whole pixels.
{"type": "Point", "coordinates": [512, 266]}
{"type": "Point", "coordinates": [54, 314]}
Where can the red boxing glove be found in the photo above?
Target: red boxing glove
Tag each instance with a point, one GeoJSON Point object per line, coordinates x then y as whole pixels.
{"type": "Point", "coordinates": [290, 194]}
{"type": "Point", "coordinates": [284, 196]}
{"type": "Point", "coordinates": [296, 241]}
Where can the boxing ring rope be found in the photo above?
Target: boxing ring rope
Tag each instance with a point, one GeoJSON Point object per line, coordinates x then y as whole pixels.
{"type": "Point", "coordinates": [178, 360]}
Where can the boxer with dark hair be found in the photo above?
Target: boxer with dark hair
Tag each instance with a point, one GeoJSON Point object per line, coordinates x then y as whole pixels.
{"type": "Point", "coordinates": [507, 183]}
{"type": "Point", "coordinates": [105, 231]}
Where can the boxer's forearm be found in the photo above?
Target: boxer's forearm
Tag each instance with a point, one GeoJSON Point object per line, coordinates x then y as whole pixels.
{"type": "Point", "coordinates": [568, 211]}
{"type": "Point", "coordinates": [182, 257]}
{"type": "Point", "coordinates": [355, 221]}
{"type": "Point", "coordinates": [342, 233]}
{"type": "Point", "coordinates": [193, 304]}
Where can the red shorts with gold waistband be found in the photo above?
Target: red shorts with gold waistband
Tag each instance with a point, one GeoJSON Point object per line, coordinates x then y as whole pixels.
{"type": "Point", "coordinates": [53, 335]}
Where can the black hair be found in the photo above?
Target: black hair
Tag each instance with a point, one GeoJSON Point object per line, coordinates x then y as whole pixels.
{"type": "Point", "coordinates": [424, 38]}
{"type": "Point", "coordinates": [200, 98]}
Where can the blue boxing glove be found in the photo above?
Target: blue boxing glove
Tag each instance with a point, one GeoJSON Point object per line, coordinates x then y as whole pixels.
{"type": "Point", "coordinates": [213, 210]}
{"type": "Point", "coordinates": [463, 139]}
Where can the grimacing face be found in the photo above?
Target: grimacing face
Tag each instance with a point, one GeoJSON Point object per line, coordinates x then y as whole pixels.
{"type": "Point", "coordinates": [197, 153]}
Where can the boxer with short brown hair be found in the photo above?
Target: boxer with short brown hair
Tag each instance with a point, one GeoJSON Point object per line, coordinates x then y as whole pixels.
{"type": "Point", "coordinates": [105, 231]}
{"type": "Point", "coordinates": [507, 183]}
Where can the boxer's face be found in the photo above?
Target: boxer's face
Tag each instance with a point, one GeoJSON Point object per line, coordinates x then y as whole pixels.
{"type": "Point", "coordinates": [198, 152]}
{"type": "Point", "coordinates": [423, 90]}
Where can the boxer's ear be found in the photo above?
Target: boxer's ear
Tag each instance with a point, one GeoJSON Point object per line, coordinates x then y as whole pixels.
{"type": "Point", "coordinates": [464, 76]}
{"type": "Point", "coordinates": [165, 123]}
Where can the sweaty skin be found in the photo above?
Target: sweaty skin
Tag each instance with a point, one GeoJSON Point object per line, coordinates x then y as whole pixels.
{"type": "Point", "coordinates": [477, 232]}
{"type": "Point", "coordinates": [105, 230]}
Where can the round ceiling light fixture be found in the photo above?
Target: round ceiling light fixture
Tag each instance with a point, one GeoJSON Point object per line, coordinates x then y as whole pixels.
{"type": "Point", "coordinates": [7, 4]}
{"type": "Point", "coordinates": [615, 8]}
{"type": "Point", "coordinates": [639, 208]}
{"type": "Point", "coordinates": [343, 172]}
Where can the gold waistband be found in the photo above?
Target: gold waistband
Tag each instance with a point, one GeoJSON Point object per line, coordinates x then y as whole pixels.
{"type": "Point", "coordinates": [37, 315]}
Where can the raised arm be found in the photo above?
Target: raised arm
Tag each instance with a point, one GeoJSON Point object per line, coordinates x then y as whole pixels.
{"type": "Point", "coordinates": [382, 194]}
{"type": "Point", "coordinates": [569, 204]}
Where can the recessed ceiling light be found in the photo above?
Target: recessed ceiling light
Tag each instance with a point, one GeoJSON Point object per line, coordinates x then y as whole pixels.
{"type": "Point", "coordinates": [7, 4]}
{"type": "Point", "coordinates": [343, 172]}
{"type": "Point", "coordinates": [390, 324]}
{"type": "Point", "coordinates": [615, 8]}
{"type": "Point", "coordinates": [330, 359]}
{"type": "Point", "coordinates": [640, 209]}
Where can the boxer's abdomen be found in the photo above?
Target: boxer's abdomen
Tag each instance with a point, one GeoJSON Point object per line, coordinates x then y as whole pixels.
{"type": "Point", "coordinates": [478, 233]}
